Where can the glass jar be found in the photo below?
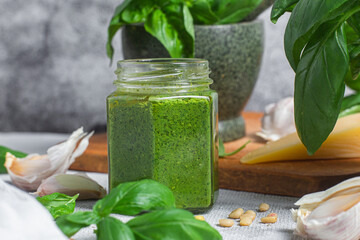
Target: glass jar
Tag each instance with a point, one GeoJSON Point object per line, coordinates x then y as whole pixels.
{"type": "Point", "coordinates": [162, 125]}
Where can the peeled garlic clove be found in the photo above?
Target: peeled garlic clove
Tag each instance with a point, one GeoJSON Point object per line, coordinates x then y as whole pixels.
{"type": "Point", "coordinates": [70, 184]}
{"type": "Point", "coordinates": [27, 173]}
{"type": "Point", "coordinates": [330, 214]}
{"type": "Point", "coordinates": [278, 120]}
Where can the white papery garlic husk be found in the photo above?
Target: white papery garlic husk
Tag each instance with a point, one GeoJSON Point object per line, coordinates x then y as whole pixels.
{"type": "Point", "coordinates": [278, 120]}
{"type": "Point", "coordinates": [27, 173]}
{"type": "Point", "coordinates": [333, 214]}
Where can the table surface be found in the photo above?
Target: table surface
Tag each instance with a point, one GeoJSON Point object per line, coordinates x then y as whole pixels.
{"type": "Point", "coordinates": [228, 200]}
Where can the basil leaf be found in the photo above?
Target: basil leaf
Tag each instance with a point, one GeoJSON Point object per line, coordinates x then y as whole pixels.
{"type": "Point", "coordinates": [233, 11]}
{"type": "Point", "coordinates": [71, 224]}
{"type": "Point", "coordinates": [319, 85]}
{"type": "Point", "coordinates": [111, 228]}
{"type": "Point", "coordinates": [173, 27]}
{"type": "Point", "coordinates": [86, 218]}
{"type": "Point", "coordinates": [354, 22]}
{"type": "Point", "coordinates": [350, 101]}
{"type": "Point", "coordinates": [58, 204]}
{"type": "Point", "coordinates": [352, 110]}
{"type": "Point", "coordinates": [280, 7]}
{"type": "Point", "coordinates": [222, 152]}
{"type": "Point", "coordinates": [3, 151]}
{"type": "Point", "coordinates": [69, 228]}
{"type": "Point", "coordinates": [306, 18]}
{"type": "Point", "coordinates": [130, 11]}
{"type": "Point", "coordinates": [171, 224]}
{"type": "Point", "coordinates": [202, 13]}
{"type": "Point", "coordinates": [132, 198]}
{"type": "Point", "coordinates": [115, 24]}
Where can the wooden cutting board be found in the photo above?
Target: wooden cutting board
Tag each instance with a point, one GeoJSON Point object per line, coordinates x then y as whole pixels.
{"type": "Point", "coordinates": [293, 178]}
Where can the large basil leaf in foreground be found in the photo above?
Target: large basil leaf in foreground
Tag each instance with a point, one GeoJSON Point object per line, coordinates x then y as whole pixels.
{"type": "Point", "coordinates": [306, 18]}
{"type": "Point", "coordinates": [319, 85]}
{"type": "Point", "coordinates": [132, 198]}
{"type": "Point", "coordinates": [171, 224]}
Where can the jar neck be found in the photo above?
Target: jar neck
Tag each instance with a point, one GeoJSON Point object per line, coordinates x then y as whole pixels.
{"type": "Point", "coordinates": [162, 76]}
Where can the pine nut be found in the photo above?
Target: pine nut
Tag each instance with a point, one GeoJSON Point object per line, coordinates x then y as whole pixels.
{"type": "Point", "coordinates": [268, 220]}
{"type": "Point", "coordinates": [246, 221]}
{"type": "Point", "coordinates": [226, 222]}
{"type": "Point", "coordinates": [236, 213]}
{"type": "Point", "coordinates": [199, 217]}
{"type": "Point", "coordinates": [264, 207]}
{"type": "Point", "coordinates": [249, 213]}
{"type": "Point", "coordinates": [272, 215]}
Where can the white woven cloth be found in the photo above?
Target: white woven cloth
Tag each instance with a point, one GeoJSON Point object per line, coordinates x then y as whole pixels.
{"type": "Point", "coordinates": [228, 200]}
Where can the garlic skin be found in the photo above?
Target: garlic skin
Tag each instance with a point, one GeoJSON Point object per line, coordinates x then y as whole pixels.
{"type": "Point", "coordinates": [23, 217]}
{"type": "Point", "coordinates": [71, 184]}
{"type": "Point", "coordinates": [333, 214]}
{"type": "Point", "coordinates": [278, 120]}
{"type": "Point", "coordinates": [27, 173]}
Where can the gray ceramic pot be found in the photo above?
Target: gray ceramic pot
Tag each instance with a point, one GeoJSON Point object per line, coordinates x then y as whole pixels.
{"type": "Point", "coordinates": [234, 52]}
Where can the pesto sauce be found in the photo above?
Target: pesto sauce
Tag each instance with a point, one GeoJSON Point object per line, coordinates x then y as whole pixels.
{"type": "Point", "coordinates": [168, 139]}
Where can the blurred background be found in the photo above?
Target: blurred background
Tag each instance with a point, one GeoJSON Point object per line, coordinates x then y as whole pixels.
{"type": "Point", "coordinates": [55, 75]}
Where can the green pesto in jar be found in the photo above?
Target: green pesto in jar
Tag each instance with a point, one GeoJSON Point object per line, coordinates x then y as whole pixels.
{"type": "Point", "coordinates": [166, 137]}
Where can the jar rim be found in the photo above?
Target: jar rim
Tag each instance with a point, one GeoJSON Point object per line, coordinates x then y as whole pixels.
{"type": "Point", "coordinates": [163, 61]}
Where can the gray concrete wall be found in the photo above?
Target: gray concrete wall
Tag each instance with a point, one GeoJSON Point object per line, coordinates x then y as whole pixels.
{"type": "Point", "coordinates": [54, 73]}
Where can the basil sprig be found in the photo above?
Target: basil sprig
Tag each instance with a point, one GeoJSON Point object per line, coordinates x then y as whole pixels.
{"type": "Point", "coordinates": [318, 50]}
{"type": "Point", "coordinates": [58, 204]}
{"type": "Point", "coordinates": [172, 21]}
{"type": "Point", "coordinates": [163, 221]}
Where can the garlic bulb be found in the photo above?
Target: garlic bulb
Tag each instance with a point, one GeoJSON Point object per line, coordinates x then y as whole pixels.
{"type": "Point", "coordinates": [71, 184]}
{"type": "Point", "coordinates": [278, 120]}
{"type": "Point", "coordinates": [333, 214]}
{"type": "Point", "coordinates": [23, 217]}
{"type": "Point", "coordinates": [27, 173]}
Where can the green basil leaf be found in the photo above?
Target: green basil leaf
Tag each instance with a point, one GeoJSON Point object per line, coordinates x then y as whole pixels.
{"type": "Point", "coordinates": [137, 11]}
{"type": "Point", "coordinates": [58, 204]}
{"type": "Point", "coordinates": [233, 11]}
{"type": "Point", "coordinates": [3, 151]}
{"type": "Point", "coordinates": [354, 22]}
{"type": "Point", "coordinates": [171, 224]}
{"type": "Point", "coordinates": [71, 224]}
{"type": "Point", "coordinates": [173, 27]}
{"type": "Point", "coordinates": [350, 101]}
{"type": "Point", "coordinates": [319, 85]}
{"type": "Point", "coordinates": [202, 13]}
{"type": "Point", "coordinates": [132, 198]}
{"type": "Point", "coordinates": [86, 218]}
{"type": "Point", "coordinates": [280, 7]}
{"type": "Point", "coordinates": [221, 148]}
{"type": "Point", "coordinates": [352, 110]}
{"type": "Point", "coordinates": [69, 228]}
{"type": "Point", "coordinates": [111, 228]}
{"type": "Point", "coordinates": [306, 18]}
{"type": "Point", "coordinates": [222, 152]}
{"type": "Point", "coordinates": [115, 24]}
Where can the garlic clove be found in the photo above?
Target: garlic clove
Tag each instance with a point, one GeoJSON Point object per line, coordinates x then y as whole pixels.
{"type": "Point", "coordinates": [332, 214]}
{"type": "Point", "coordinates": [27, 173]}
{"type": "Point", "coordinates": [278, 120]}
{"type": "Point", "coordinates": [71, 184]}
